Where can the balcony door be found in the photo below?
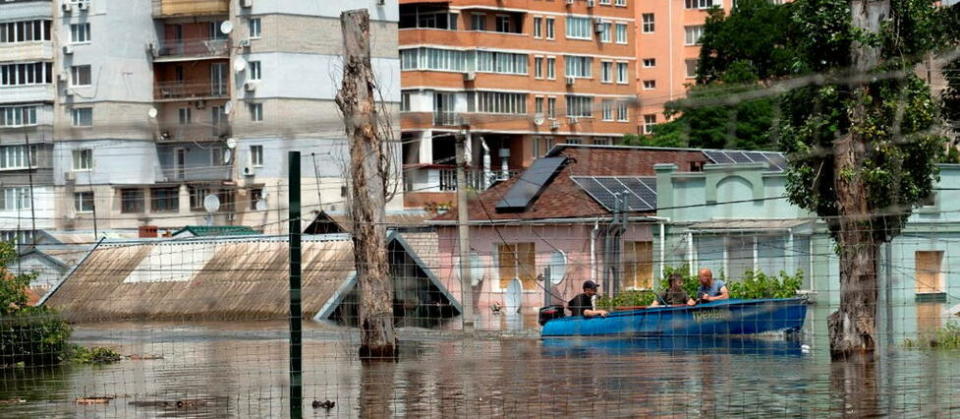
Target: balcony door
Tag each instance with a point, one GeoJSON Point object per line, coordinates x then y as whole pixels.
{"type": "Point", "coordinates": [179, 163]}
{"type": "Point", "coordinates": [219, 77]}
{"type": "Point", "coordinates": [443, 106]}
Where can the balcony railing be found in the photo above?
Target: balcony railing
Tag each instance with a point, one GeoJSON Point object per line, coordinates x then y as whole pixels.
{"type": "Point", "coordinates": [183, 91]}
{"type": "Point", "coordinates": [447, 119]}
{"type": "Point", "coordinates": [202, 173]}
{"type": "Point", "coordinates": [444, 179]}
{"type": "Point", "coordinates": [193, 132]}
{"type": "Point", "coordinates": [171, 8]}
{"type": "Point", "coordinates": [199, 48]}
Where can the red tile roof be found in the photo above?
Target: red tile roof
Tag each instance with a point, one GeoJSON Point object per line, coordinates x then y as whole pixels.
{"type": "Point", "coordinates": [562, 198]}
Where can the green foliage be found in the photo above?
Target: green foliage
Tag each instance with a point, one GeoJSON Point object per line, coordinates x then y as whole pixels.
{"type": "Point", "coordinates": [759, 285]}
{"type": "Point", "coordinates": [95, 355]}
{"type": "Point", "coordinates": [626, 299]}
{"type": "Point", "coordinates": [947, 337]}
{"type": "Point", "coordinates": [706, 119]}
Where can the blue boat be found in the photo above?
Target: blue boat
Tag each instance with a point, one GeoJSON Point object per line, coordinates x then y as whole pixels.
{"type": "Point", "coordinates": [728, 317]}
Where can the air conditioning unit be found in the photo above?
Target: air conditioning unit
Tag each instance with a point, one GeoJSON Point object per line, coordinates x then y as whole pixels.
{"type": "Point", "coordinates": [598, 26]}
{"type": "Point", "coordinates": [165, 135]}
{"type": "Point", "coordinates": [571, 81]}
{"type": "Point", "coordinates": [469, 76]}
{"type": "Point", "coordinates": [591, 3]}
{"type": "Point", "coordinates": [68, 92]}
{"type": "Point", "coordinates": [66, 7]}
{"type": "Point", "coordinates": [67, 50]}
{"type": "Point", "coordinates": [573, 120]}
{"type": "Point", "coordinates": [83, 6]}
{"type": "Point", "coordinates": [570, 2]}
{"type": "Point", "coordinates": [554, 124]}
{"type": "Point", "coordinates": [246, 3]}
{"type": "Point", "coordinates": [62, 77]}
{"type": "Point", "coordinates": [250, 86]}
{"type": "Point", "coordinates": [244, 43]}
{"type": "Point", "coordinates": [201, 104]}
{"type": "Point", "coordinates": [248, 171]}
{"type": "Point", "coordinates": [69, 176]}
{"type": "Point", "coordinates": [152, 50]}
{"type": "Point", "coordinates": [381, 2]}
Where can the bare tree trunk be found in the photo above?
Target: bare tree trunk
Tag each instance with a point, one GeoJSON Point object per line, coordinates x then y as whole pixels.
{"type": "Point", "coordinates": [367, 190]}
{"type": "Point", "coordinates": [852, 327]}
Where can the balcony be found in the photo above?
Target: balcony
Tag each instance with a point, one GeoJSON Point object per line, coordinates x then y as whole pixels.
{"type": "Point", "coordinates": [26, 51]}
{"type": "Point", "coordinates": [27, 93]}
{"type": "Point", "coordinates": [179, 91]}
{"type": "Point", "coordinates": [196, 132]}
{"type": "Point", "coordinates": [443, 178]}
{"type": "Point", "coordinates": [447, 119]}
{"type": "Point", "coordinates": [180, 8]}
{"type": "Point", "coordinates": [192, 49]}
{"type": "Point", "coordinates": [197, 174]}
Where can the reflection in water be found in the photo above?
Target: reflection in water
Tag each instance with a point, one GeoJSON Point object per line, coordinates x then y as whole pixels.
{"type": "Point", "coordinates": [241, 370]}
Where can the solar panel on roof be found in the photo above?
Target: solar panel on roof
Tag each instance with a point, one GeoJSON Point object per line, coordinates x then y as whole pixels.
{"type": "Point", "coordinates": [738, 157]}
{"type": "Point", "coordinates": [596, 191]}
{"type": "Point", "coordinates": [777, 160]}
{"type": "Point", "coordinates": [718, 157]}
{"type": "Point", "coordinates": [756, 157]}
{"type": "Point", "coordinates": [616, 186]}
{"type": "Point", "coordinates": [636, 187]}
{"type": "Point", "coordinates": [530, 184]}
{"type": "Point", "coordinates": [637, 192]}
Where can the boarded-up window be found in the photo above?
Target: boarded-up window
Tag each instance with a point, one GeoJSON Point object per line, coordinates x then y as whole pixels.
{"type": "Point", "coordinates": [638, 265]}
{"type": "Point", "coordinates": [518, 260]}
{"type": "Point", "coordinates": [929, 272]}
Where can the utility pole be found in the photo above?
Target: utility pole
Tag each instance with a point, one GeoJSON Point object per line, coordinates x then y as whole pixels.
{"type": "Point", "coordinates": [368, 190]}
{"type": "Point", "coordinates": [296, 359]}
{"type": "Point", "coordinates": [463, 229]}
{"type": "Point", "coordinates": [33, 211]}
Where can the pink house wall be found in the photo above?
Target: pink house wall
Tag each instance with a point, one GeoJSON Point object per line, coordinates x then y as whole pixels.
{"type": "Point", "coordinates": [572, 239]}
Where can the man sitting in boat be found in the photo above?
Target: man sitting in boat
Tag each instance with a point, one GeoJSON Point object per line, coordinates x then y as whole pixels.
{"type": "Point", "coordinates": [711, 289]}
{"type": "Point", "coordinates": [675, 295]}
{"type": "Point", "coordinates": [584, 304]}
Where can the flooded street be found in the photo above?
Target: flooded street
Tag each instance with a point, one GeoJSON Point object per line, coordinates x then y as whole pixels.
{"type": "Point", "coordinates": [240, 370]}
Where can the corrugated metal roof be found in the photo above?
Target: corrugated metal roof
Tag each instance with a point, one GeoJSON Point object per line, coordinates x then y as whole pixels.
{"type": "Point", "coordinates": [207, 231]}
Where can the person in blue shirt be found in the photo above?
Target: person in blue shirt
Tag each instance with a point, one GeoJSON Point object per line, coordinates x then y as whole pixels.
{"type": "Point", "coordinates": [711, 289]}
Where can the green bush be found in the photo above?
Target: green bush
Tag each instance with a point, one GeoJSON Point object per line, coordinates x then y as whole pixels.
{"type": "Point", "coordinates": [96, 355]}
{"type": "Point", "coordinates": [946, 337]}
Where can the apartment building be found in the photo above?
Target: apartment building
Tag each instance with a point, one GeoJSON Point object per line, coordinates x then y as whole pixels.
{"type": "Point", "coordinates": [137, 111]}
{"type": "Point", "coordinates": [27, 96]}
{"type": "Point", "coordinates": [515, 77]}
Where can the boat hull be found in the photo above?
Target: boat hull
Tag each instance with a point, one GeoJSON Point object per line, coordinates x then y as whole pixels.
{"type": "Point", "coordinates": [729, 317]}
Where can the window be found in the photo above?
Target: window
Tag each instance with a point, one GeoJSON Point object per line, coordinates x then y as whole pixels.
{"type": "Point", "coordinates": [131, 201]}
{"type": "Point", "coordinates": [538, 67]}
{"type": "Point", "coordinates": [83, 201]}
{"type": "Point", "coordinates": [255, 196]}
{"type": "Point", "coordinates": [573, 140]}
{"type": "Point", "coordinates": [576, 66]}
{"type": "Point", "coordinates": [649, 84]}
{"type": "Point", "coordinates": [517, 260]}
{"type": "Point", "coordinates": [551, 28]}
{"type": "Point", "coordinates": [648, 23]}
{"type": "Point", "coordinates": [80, 75]}
{"type": "Point", "coordinates": [216, 156]}
{"type": "Point", "coordinates": [604, 1]}
{"type": "Point", "coordinates": [423, 17]}
{"type": "Point", "coordinates": [541, 146]}
{"type": "Point", "coordinates": [165, 199]}
{"type": "Point", "coordinates": [478, 22]}
{"type": "Point", "coordinates": [83, 159]}
{"type": "Point", "coordinates": [579, 106]}
{"type": "Point", "coordinates": [622, 33]}
{"type": "Point", "coordinates": [256, 155]}
{"type": "Point", "coordinates": [18, 116]}
{"type": "Point", "coordinates": [551, 107]}
{"type": "Point", "coordinates": [579, 28]}
{"type": "Point", "coordinates": [649, 62]}
{"type": "Point", "coordinates": [214, 32]}
{"type": "Point", "coordinates": [623, 73]}
{"type": "Point", "coordinates": [405, 101]}
{"type": "Point", "coordinates": [255, 70]}
{"type": "Point", "coordinates": [21, 237]}
{"type": "Point", "coordinates": [197, 195]}
{"type": "Point", "coordinates": [699, 4]}
{"type": "Point", "coordinates": [501, 62]}
{"type": "Point", "coordinates": [637, 265]}
{"type": "Point", "coordinates": [254, 25]}
{"type": "Point", "coordinates": [185, 116]}
{"type": "Point", "coordinates": [82, 117]}
{"type": "Point", "coordinates": [79, 32]}
{"type": "Point", "coordinates": [621, 3]}
{"type": "Point", "coordinates": [607, 106]}
{"type": "Point", "coordinates": [24, 31]}
{"type": "Point", "coordinates": [691, 68]}
{"type": "Point", "coordinates": [503, 23]}
{"type": "Point", "coordinates": [551, 68]}
{"type": "Point", "coordinates": [605, 35]}
{"type": "Point", "coordinates": [538, 105]}
{"type": "Point", "coordinates": [693, 34]}
{"type": "Point", "coordinates": [504, 103]}
{"type": "Point", "coordinates": [25, 74]}
{"type": "Point", "coordinates": [436, 59]}
{"type": "Point", "coordinates": [538, 27]}
{"type": "Point", "coordinates": [929, 272]}
{"type": "Point", "coordinates": [256, 112]}
{"type": "Point", "coordinates": [649, 121]}
{"type": "Point", "coordinates": [15, 198]}
{"type": "Point", "coordinates": [623, 113]}
{"type": "Point", "coordinates": [606, 72]}
{"type": "Point", "coordinates": [602, 141]}
{"type": "Point", "coordinates": [18, 157]}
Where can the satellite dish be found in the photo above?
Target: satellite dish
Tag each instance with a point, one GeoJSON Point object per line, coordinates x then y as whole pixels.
{"type": "Point", "coordinates": [262, 205]}
{"type": "Point", "coordinates": [538, 120]}
{"type": "Point", "coordinates": [211, 203]}
{"type": "Point", "coordinates": [239, 65]}
{"type": "Point", "coordinates": [226, 27]}
{"type": "Point", "coordinates": [558, 267]}
{"type": "Point", "coordinates": [231, 143]}
{"type": "Point", "coordinates": [152, 113]}
{"type": "Point", "coordinates": [227, 108]}
{"type": "Point", "coordinates": [226, 155]}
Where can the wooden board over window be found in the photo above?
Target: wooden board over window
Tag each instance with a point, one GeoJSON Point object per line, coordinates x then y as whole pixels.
{"type": "Point", "coordinates": [518, 260]}
{"type": "Point", "coordinates": [929, 277]}
{"type": "Point", "coordinates": [637, 265]}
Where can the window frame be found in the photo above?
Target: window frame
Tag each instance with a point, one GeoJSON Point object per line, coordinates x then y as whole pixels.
{"type": "Point", "coordinates": [649, 25]}
{"type": "Point", "coordinates": [255, 27]}
{"type": "Point", "coordinates": [80, 200]}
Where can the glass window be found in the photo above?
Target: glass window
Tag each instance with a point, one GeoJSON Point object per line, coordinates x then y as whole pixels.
{"type": "Point", "coordinates": [503, 23]}
{"type": "Point", "coordinates": [606, 72]}
{"type": "Point", "coordinates": [551, 107]}
{"type": "Point", "coordinates": [699, 4]}
{"type": "Point", "coordinates": [538, 67]}
{"type": "Point", "coordinates": [83, 117]}
{"type": "Point", "coordinates": [83, 159]}
{"type": "Point", "coordinates": [18, 116]}
{"type": "Point", "coordinates": [551, 28]}
{"type": "Point", "coordinates": [79, 32]}
{"type": "Point", "coordinates": [551, 68]}
{"type": "Point", "coordinates": [15, 198]}
{"type": "Point", "coordinates": [691, 68]}
{"type": "Point", "coordinates": [693, 34]}
{"type": "Point", "coordinates": [80, 75]}
{"type": "Point", "coordinates": [607, 107]}
{"type": "Point", "coordinates": [256, 195]}
{"type": "Point", "coordinates": [605, 35]}
{"type": "Point", "coordinates": [256, 155]}
{"type": "Point", "coordinates": [623, 73]}
{"type": "Point", "coordinates": [538, 27]}
{"type": "Point", "coordinates": [577, 66]}
{"type": "Point", "coordinates": [649, 84]}
{"type": "Point", "coordinates": [83, 201]}
{"type": "Point", "coordinates": [255, 70]}
{"type": "Point", "coordinates": [648, 23]}
{"type": "Point", "coordinates": [579, 28]}
{"type": "Point", "coordinates": [538, 105]}
{"type": "Point", "coordinates": [131, 201]}
{"type": "Point", "coordinates": [623, 114]}
{"type": "Point", "coordinates": [256, 112]}
{"type": "Point", "coordinates": [622, 33]}
{"type": "Point", "coordinates": [503, 103]}
{"type": "Point", "coordinates": [478, 21]}
{"type": "Point", "coordinates": [649, 121]}
{"type": "Point", "coordinates": [184, 115]}
{"type": "Point", "coordinates": [254, 26]}
{"type": "Point", "coordinates": [579, 106]}
{"type": "Point", "coordinates": [165, 199]}
{"type": "Point", "coordinates": [649, 62]}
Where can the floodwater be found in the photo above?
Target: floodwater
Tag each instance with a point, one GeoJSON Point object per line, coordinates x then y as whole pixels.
{"type": "Point", "coordinates": [240, 370]}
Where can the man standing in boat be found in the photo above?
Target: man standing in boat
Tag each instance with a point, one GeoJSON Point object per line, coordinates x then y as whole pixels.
{"type": "Point", "coordinates": [584, 304]}
{"type": "Point", "coordinates": [711, 289]}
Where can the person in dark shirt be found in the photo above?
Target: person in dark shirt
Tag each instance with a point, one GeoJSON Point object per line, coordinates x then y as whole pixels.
{"type": "Point", "coordinates": [582, 304]}
{"type": "Point", "coordinates": [675, 295]}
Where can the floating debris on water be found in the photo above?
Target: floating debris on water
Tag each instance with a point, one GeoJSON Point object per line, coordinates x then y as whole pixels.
{"type": "Point", "coordinates": [94, 400]}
